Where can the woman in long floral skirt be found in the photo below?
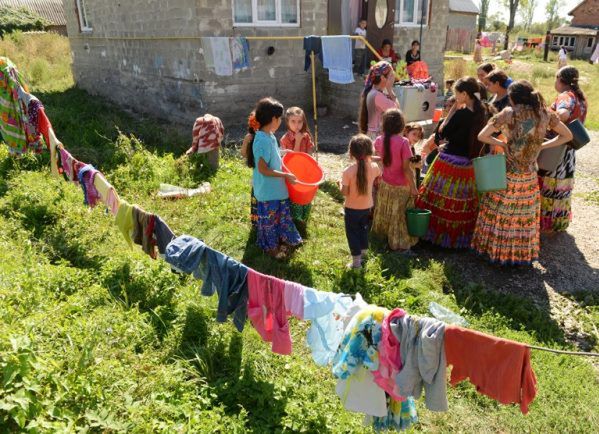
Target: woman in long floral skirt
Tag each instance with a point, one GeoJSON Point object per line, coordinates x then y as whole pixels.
{"type": "Point", "coordinates": [449, 190]}
{"type": "Point", "coordinates": [507, 228]}
{"type": "Point", "coordinates": [557, 186]}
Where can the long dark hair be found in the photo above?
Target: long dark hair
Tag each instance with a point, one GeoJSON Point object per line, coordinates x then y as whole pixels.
{"type": "Point", "coordinates": [481, 112]}
{"type": "Point", "coordinates": [363, 113]}
{"type": "Point", "coordinates": [487, 67]}
{"type": "Point", "coordinates": [266, 109]}
{"type": "Point", "coordinates": [360, 147]}
{"type": "Point", "coordinates": [393, 123]}
{"type": "Point", "coordinates": [498, 76]}
{"type": "Point", "coordinates": [522, 92]}
{"type": "Point", "coordinates": [569, 76]}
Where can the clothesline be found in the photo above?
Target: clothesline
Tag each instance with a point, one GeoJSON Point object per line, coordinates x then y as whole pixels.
{"type": "Point", "coordinates": [533, 347]}
{"type": "Point", "coordinates": [245, 293]}
{"type": "Point", "coordinates": [570, 353]}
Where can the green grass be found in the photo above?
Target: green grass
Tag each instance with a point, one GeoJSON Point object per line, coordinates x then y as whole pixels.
{"type": "Point", "coordinates": [528, 65]}
{"type": "Point", "coordinates": [96, 335]}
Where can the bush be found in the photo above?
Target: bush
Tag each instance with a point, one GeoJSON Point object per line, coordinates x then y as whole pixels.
{"type": "Point", "coordinates": [20, 19]}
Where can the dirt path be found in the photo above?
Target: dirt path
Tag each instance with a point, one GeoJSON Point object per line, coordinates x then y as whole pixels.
{"type": "Point", "coordinates": [568, 263]}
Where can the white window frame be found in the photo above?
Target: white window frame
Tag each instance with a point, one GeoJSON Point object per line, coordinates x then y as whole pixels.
{"type": "Point", "coordinates": [590, 42]}
{"type": "Point", "coordinates": [257, 23]}
{"type": "Point", "coordinates": [417, 13]}
{"type": "Point", "coordinates": [82, 15]}
{"type": "Point", "coordinates": [570, 41]}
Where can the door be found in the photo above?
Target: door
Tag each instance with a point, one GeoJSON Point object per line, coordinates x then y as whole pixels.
{"type": "Point", "coordinates": [381, 21]}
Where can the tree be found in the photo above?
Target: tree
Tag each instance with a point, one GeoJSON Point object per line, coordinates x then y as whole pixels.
{"type": "Point", "coordinates": [513, 7]}
{"type": "Point", "coordinates": [527, 12]}
{"type": "Point", "coordinates": [482, 17]}
{"type": "Point", "coordinates": [552, 14]}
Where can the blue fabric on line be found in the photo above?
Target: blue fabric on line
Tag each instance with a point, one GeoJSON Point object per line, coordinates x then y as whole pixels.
{"type": "Point", "coordinates": [220, 273]}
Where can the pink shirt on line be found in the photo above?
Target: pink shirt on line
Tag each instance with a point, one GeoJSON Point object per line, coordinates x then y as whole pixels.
{"type": "Point", "coordinates": [354, 200]}
{"type": "Point", "coordinates": [400, 151]}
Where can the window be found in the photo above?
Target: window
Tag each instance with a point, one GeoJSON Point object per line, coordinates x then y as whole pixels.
{"type": "Point", "coordinates": [84, 24]}
{"type": "Point", "coordinates": [279, 13]}
{"type": "Point", "coordinates": [572, 41]}
{"type": "Point", "coordinates": [555, 40]}
{"type": "Point", "coordinates": [590, 43]}
{"type": "Point", "coordinates": [411, 12]}
{"type": "Point", "coordinates": [561, 40]}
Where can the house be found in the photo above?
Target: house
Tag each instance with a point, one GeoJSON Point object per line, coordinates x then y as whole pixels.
{"type": "Point", "coordinates": [462, 25]}
{"type": "Point", "coordinates": [582, 34]}
{"type": "Point", "coordinates": [51, 10]}
{"type": "Point", "coordinates": [148, 54]}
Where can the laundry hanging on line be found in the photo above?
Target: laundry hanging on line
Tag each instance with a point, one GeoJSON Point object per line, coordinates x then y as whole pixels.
{"type": "Point", "coordinates": [337, 57]}
{"type": "Point", "coordinates": [226, 55]}
{"type": "Point", "coordinates": [499, 368]}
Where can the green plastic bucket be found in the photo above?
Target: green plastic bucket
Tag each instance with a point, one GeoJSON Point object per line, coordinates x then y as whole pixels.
{"type": "Point", "coordinates": [418, 221]}
{"type": "Point", "coordinates": [489, 172]}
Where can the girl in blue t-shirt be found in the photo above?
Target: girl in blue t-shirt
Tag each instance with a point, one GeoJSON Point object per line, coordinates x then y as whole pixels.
{"type": "Point", "coordinates": [275, 229]}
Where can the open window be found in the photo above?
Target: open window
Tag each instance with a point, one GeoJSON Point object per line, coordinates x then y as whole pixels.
{"type": "Point", "coordinates": [266, 13]}
{"type": "Point", "coordinates": [84, 23]}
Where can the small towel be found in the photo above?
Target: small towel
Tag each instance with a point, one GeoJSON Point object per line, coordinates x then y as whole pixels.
{"type": "Point", "coordinates": [337, 57]}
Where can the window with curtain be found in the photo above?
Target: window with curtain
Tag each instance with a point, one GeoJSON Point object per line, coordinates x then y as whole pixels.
{"type": "Point", "coordinates": [242, 11]}
{"type": "Point", "coordinates": [410, 13]}
{"type": "Point", "coordinates": [266, 13]}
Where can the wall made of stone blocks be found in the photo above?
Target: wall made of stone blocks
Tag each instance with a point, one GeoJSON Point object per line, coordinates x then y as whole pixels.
{"type": "Point", "coordinates": [168, 78]}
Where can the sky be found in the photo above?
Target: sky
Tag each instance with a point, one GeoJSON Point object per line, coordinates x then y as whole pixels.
{"type": "Point", "coordinates": [496, 6]}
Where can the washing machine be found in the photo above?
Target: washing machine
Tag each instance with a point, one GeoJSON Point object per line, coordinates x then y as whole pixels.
{"type": "Point", "coordinates": [416, 102]}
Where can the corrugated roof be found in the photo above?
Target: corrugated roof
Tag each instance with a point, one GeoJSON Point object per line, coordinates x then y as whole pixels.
{"type": "Point", "coordinates": [51, 10]}
{"type": "Point", "coordinates": [574, 31]}
{"type": "Point", "coordinates": [465, 6]}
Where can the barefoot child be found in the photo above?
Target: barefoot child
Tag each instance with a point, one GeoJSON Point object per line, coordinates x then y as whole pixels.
{"type": "Point", "coordinates": [298, 139]}
{"type": "Point", "coordinates": [275, 229]}
{"type": "Point", "coordinates": [398, 188]}
{"type": "Point", "coordinates": [356, 186]}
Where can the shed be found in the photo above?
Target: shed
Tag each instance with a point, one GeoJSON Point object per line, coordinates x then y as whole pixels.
{"type": "Point", "coordinates": [51, 10]}
{"type": "Point", "coordinates": [579, 41]}
{"type": "Point", "coordinates": [462, 25]}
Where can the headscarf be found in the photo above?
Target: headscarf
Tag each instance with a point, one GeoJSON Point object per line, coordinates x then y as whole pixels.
{"type": "Point", "coordinates": [377, 70]}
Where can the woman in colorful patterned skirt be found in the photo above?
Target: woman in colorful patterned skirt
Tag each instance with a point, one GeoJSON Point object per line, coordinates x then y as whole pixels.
{"type": "Point", "coordinates": [556, 186]}
{"type": "Point", "coordinates": [448, 190]}
{"type": "Point", "coordinates": [507, 228]}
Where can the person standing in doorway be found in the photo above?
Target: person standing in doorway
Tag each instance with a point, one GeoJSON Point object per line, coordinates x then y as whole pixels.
{"type": "Point", "coordinates": [360, 55]}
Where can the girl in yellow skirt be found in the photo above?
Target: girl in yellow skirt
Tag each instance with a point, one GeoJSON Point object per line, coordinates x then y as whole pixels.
{"type": "Point", "coordinates": [508, 226]}
{"type": "Point", "coordinates": [397, 189]}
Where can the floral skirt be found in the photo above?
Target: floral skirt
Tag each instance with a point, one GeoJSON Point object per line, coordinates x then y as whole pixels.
{"type": "Point", "coordinates": [507, 228]}
{"type": "Point", "coordinates": [275, 225]}
{"type": "Point", "coordinates": [401, 416]}
{"type": "Point", "coordinates": [253, 209]}
{"type": "Point", "coordinates": [449, 192]}
{"type": "Point", "coordinates": [556, 203]}
{"type": "Point", "coordinates": [300, 213]}
{"type": "Point", "coordinates": [390, 215]}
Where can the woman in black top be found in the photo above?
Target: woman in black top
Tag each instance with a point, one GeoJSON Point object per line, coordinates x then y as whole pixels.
{"type": "Point", "coordinates": [413, 55]}
{"type": "Point", "coordinates": [448, 190]}
{"type": "Point", "coordinates": [498, 82]}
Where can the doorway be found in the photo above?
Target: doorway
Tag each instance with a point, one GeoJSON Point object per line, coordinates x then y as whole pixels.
{"type": "Point", "coordinates": [380, 15]}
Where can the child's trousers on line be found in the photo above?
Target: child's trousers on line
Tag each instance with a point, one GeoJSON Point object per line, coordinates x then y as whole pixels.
{"type": "Point", "coordinates": [357, 225]}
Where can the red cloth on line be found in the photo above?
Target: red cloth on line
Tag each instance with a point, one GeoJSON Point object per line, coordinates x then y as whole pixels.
{"type": "Point", "coordinates": [499, 368]}
{"type": "Point", "coordinates": [267, 311]}
{"type": "Point", "coordinates": [43, 125]}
